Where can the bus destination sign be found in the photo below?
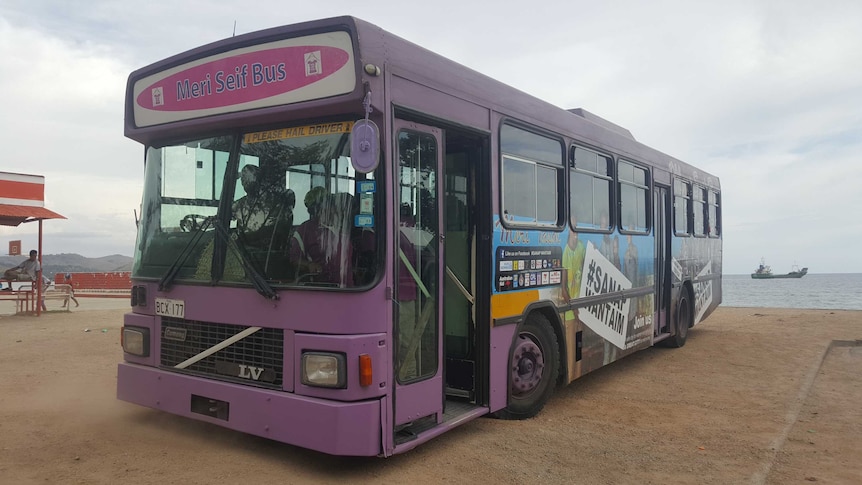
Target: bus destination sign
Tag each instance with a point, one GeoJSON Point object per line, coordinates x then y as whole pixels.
{"type": "Point", "coordinates": [271, 74]}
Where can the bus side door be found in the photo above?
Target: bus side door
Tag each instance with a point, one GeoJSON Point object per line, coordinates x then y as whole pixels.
{"type": "Point", "coordinates": [418, 276]}
{"type": "Point", "coordinates": [662, 215]}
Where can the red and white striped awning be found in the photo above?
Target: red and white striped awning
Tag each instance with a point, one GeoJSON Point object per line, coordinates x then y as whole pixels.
{"type": "Point", "coordinates": [22, 199]}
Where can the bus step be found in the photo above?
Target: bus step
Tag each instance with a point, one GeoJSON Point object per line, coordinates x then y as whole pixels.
{"type": "Point", "coordinates": [411, 431]}
{"type": "Point", "coordinates": [462, 393]}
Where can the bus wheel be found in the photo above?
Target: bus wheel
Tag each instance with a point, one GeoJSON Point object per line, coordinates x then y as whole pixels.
{"type": "Point", "coordinates": [533, 369]}
{"type": "Point", "coordinates": [683, 321]}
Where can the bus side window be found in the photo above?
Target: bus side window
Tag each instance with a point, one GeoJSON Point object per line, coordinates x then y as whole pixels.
{"type": "Point", "coordinates": [590, 180]}
{"type": "Point", "coordinates": [682, 207]}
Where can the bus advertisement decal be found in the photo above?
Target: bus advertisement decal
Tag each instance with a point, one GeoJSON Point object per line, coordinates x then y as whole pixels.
{"type": "Point", "coordinates": [608, 319]}
{"type": "Point", "coordinates": [524, 267]}
{"type": "Point", "coordinates": [702, 292]}
{"type": "Point", "coordinates": [676, 268]}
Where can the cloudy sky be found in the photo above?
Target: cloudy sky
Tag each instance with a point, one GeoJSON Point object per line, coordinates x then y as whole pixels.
{"type": "Point", "coordinates": [767, 95]}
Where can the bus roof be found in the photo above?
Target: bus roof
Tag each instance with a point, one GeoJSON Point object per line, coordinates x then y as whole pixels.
{"type": "Point", "coordinates": [372, 44]}
{"type": "Point", "coordinates": [470, 85]}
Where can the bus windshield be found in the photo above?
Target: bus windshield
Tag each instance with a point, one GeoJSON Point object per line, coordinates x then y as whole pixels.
{"type": "Point", "coordinates": [285, 205]}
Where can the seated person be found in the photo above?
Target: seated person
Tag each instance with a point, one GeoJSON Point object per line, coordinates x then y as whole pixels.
{"type": "Point", "coordinates": [26, 271]}
{"type": "Point", "coordinates": [321, 246]}
{"type": "Point", "coordinates": [265, 214]}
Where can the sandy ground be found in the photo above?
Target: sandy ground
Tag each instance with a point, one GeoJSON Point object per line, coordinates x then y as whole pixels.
{"type": "Point", "coordinates": [756, 396]}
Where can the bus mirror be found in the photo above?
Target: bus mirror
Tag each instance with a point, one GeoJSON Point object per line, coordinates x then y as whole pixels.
{"type": "Point", "coordinates": [365, 146]}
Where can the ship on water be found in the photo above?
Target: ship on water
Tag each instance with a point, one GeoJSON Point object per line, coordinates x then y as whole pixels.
{"type": "Point", "coordinates": [764, 272]}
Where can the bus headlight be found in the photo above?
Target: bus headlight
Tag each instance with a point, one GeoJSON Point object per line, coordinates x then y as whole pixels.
{"type": "Point", "coordinates": [324, 369]}
{"type": "Point", "coordinates": [136, 341]}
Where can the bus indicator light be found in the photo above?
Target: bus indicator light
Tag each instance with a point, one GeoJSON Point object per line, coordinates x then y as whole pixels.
{"type": "Point", "coordinates": [365, 371]}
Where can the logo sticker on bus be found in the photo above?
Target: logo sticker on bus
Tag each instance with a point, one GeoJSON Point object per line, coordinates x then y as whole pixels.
{"type": "Point", "coordinates": [366, 186]}
{"type": "Point", "coordinates": [366, 204]}
{"type": "Point", "coordinates": [176, 334]}
{"type": "Point", "coordinates": [312, 64]}
{"type": "Point", "coordinates": [363, 220]}
{"type": "Point", "coordinates": [245, 371]}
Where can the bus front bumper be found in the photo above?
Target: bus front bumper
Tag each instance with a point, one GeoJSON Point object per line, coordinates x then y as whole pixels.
{"type": "Point", "coordinates": [338, 428]}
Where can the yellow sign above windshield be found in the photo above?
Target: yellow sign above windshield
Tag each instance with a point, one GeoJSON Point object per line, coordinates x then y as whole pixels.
{"type": "Point", "coordinates": [299, 131]}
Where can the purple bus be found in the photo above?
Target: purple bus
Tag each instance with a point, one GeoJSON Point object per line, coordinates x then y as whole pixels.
{"type": "Point", "coordinates": [350, 244]}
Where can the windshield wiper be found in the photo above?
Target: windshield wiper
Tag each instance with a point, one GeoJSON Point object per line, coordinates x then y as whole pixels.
{"type": "Point", "coordinates": [257, 279]}
{"type": "Point", "coordinates": [171, 274]}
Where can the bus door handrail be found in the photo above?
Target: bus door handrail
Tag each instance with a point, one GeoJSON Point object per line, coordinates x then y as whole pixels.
{"type": "Point", "coordinates": [413, 273]}
{"type": "Point", "coordinates": [459, 285]}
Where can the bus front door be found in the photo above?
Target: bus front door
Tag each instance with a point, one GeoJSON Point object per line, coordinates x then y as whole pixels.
{"type": "Point", "coordinates": [418, 396]}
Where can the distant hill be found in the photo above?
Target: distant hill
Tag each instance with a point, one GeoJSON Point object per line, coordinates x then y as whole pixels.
{"type": "Point", "coordinates": [72, 263]}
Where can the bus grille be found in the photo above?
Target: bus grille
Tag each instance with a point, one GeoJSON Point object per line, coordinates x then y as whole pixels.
{"type": "Point", "coordinates": [257, 359]}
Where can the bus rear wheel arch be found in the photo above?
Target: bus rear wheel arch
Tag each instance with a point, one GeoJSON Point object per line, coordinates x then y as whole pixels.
{"type": "Point", "coordinates": [533, 368]}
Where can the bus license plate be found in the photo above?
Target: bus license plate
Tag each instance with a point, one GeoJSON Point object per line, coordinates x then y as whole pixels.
{"type": "Point", "coordinates": [170, 308]}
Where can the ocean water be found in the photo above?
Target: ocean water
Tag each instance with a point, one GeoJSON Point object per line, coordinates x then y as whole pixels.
{"type": "Point", "coordinates": [835, 291]}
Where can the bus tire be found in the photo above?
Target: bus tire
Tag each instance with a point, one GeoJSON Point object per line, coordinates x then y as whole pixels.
{"type": "Point", "coordinates": [682, 323]}
{"type": "Point", "coordinates": [533, 368]}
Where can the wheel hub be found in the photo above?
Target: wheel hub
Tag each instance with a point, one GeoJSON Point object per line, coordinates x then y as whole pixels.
{"type": "Point", "coordinates": [528, 363]}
